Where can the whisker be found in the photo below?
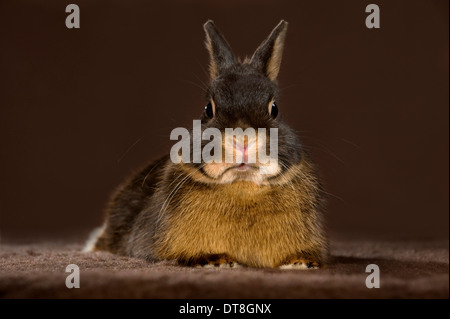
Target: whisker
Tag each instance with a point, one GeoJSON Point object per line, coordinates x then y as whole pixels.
{"type": "Point", "coordinates": [126, 152]}
{"type": "Point", "coordinates": [288, 87]}
{"type": "Point", "coordinates": [170, 196]}
{"type": "Point", "coordinates": [288, 181]}
{"type": "Point", "coordinates": [203, 69]}
{"type": "Point", "coordinates": [335, 196]}
{"type": "Point", "coordinates": [351, 143]}
{"type": "Point", "coordinates": [205, 86]}
{"type": "Point", "coordinates": [195, 84]}
{"type": "Point", "coordinates": [147, 175]}
{"type": "Point", "coordinates": [174, 191]}
{"type": "Point", "coordinates": [319, 145]}
{"type": "Point", "coordinates": [329, 152]}
{"type": "Point", "coordinates": [322, 190]}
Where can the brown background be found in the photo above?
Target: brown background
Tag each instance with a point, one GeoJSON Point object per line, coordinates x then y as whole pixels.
{"type": "Point", "coordinates": [372, 105]}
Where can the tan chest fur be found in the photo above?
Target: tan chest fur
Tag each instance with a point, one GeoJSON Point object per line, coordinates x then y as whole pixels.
{"type": "Point", "coordinates": [257, 225]}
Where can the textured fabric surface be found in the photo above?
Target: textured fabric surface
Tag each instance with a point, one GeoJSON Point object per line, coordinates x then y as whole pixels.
{"type": "Point", "coordinates": [407, 270]}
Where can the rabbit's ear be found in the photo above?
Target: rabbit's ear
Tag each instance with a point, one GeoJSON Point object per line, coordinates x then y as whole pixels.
{"type": "Point", "coordinates": [221, 56]}
{"type": "Point", "coordinates": [267, 58]}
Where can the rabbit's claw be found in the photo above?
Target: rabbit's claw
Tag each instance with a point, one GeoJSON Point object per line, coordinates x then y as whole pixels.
{"type": "Point", "coordinates": [301, 263]}
{"type": "Point", "coordinates": [213, 261]}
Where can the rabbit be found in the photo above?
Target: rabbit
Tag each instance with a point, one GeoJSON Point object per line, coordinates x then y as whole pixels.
{"type": "Point", "coordinates": [226, 214]}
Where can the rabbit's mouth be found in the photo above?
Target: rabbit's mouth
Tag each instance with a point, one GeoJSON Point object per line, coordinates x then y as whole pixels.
{"type": "Point", "coordinates": [223, 173]}
{"type": "Point", "coordinates": [240, 168]}
{"type": "Point", "coordinates": [243, 167]}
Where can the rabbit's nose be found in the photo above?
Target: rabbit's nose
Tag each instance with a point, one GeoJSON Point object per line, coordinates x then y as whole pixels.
{"type": "Point", "coordinates": [243, 147]}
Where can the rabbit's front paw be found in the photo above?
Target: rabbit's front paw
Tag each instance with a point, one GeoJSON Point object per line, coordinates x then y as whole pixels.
{"type": "Point", "coordinates": [213, 261]}
{"type": "Point", "coordinates": [301, 263]}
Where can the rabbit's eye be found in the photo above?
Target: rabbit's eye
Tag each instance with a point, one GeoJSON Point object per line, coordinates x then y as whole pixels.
{"type": "Point", "coordinates": [209, 109]}
{"type": "Point", "coordinates": [273, 110]}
